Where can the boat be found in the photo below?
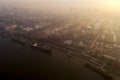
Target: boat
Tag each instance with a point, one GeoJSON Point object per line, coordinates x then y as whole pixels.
{"type": "Point", "coordinates": [69, 54]}
{"type": "Point", "coordinates": [101, 71]}
{"type": "Point", "coordinates": [42, 47]}
{"type": "Point", "coordinates": [21, 40]}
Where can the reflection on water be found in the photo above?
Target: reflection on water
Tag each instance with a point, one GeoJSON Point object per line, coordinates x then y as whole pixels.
{"type": "Point", "coordinates": [20, 62]}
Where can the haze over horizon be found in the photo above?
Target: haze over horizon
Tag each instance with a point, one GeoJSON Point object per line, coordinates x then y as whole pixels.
{"type": "Point", "coordinates": [63, 5]}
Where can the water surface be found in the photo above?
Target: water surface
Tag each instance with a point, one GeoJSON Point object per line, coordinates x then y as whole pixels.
{"type": "Point", "coordinates": [20, 62]}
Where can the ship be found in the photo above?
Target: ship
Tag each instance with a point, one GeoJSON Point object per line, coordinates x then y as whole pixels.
{"type": "Point", "coordinates": [101, 71]}
{"type": "Point", "coordinates": [21, 40]}
{"type": "Point", "coordinates": [42, 47]}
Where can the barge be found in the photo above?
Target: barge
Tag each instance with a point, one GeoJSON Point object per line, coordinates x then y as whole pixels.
{"type": "Point", "coordinates": [100, 70]}
{"type": "Point", "coordinates": [21, 41]}
{"type": "Point", "coordinates": [42, 47]}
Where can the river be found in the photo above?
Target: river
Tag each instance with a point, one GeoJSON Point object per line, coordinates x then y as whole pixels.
{"type": "Point", "coordinates": [18, 62]}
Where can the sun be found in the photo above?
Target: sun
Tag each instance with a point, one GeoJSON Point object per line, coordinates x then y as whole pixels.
{"type": "Point", "coordinates": [113, 3]}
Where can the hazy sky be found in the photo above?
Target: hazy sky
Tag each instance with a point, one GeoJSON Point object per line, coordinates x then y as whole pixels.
{"type": "Point", "coordinates": [64, 4]}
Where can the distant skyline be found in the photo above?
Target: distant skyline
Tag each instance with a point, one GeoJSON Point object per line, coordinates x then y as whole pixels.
{"type": "Point", "coordinates": [64, 4]}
